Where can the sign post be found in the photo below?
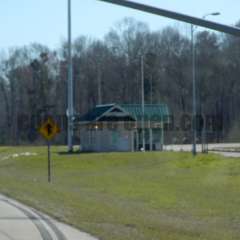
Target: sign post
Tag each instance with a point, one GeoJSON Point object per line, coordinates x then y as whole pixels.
{"type": "Point", "coordinates": [49, 129]}
{"type": "Point", "coordinates": [49, 162]}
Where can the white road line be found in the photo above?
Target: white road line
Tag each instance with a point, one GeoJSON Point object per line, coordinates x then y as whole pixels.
{"type": "Point", "coordinates": [19, 222]}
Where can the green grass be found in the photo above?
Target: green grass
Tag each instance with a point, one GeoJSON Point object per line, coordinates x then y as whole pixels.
{"type": "Point", "coordinates": [129, 196]}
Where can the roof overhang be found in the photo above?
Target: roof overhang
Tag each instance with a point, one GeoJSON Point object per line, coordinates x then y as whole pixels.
{"type": "Point", "coordinates": [122, 113]}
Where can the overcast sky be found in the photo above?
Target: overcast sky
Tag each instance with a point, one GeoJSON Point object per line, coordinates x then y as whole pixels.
{"type": "Point", "coordinates": [44, 21]}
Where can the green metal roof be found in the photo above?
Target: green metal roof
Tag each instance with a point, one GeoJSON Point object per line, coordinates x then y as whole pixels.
{"type": "Point", "coordinates": [152, 112]}
{"type": "Point", "coordinates": [96, 112]}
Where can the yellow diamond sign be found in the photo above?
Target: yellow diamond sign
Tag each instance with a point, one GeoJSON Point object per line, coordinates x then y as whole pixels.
{"type": "Point", "coordinates": [49, 129]}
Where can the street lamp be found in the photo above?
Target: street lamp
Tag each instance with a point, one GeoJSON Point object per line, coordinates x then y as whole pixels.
{"type": "Point", "coordinates": [211, 14]}
{"type": "Point", "coordinates": [143, 57]}
{"type": "Point", "coordinates": [194, 101]}
{"type": "Point", "coordinates": [70, 111]}
{"type": "Point", "coordinates": [143, 103]}
{"type": "Point", "coordinates": [142, 63]}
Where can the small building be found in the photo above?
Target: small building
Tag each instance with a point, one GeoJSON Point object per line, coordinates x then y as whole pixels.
{"type": "Point", "coordinates": [120, 128]}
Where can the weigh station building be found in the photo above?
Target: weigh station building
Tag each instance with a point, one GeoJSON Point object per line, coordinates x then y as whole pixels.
{"type": "Point", "coordinates": [121, 127]}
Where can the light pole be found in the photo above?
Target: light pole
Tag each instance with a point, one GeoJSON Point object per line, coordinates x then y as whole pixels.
{"type": "Point", "coordinates": [194, 101]}
{"type": "Point", "coordinates": [70, 111]}
{"type": "Point", "coordinates": [194, 111]}
{"type": "Point", "coordinates": [143, 103]}
{"type": "Point", "coordinates": [140, 59]}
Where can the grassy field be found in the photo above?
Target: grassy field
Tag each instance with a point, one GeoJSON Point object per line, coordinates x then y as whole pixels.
{"type": "Point", "coordinates": [132, 196]}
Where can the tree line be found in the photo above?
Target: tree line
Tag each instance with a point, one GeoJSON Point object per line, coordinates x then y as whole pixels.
{"type": "Point", "coordinates": [33, 78]}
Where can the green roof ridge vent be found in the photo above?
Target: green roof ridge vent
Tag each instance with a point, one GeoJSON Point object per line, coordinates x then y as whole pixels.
{"type": "Point", "coordinates": [106, 105]}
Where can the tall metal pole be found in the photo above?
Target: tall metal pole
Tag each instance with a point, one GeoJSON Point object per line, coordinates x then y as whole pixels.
{"type": "Point", "coordinates": [143, 102]}
{"type": "Point", "coordinates": [194, 107]}
{"type": "Point", "coordinates": [70, 82]}
{"type": "Point", "coordinates": [99, 85]}
{"type": "Point", "coordinates": [204, 130]}
{"type": "Point", "coordinates": [194, 101]}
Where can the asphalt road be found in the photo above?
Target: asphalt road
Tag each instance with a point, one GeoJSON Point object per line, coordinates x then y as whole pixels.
{"type": "Point", "coordinates": [19, 222]}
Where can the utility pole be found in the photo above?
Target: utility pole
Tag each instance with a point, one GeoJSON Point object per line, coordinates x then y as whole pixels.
{"type": "Point", "coordinates": [204, 130]}
{"type": "Point", "coordinates": [143, 103]}
{"type": "Point", "coordinates": [194, 101]}
{"type": "Point", "coordinates": [194, 110]}
{"type": "Point", "coordinates": [70, 111]}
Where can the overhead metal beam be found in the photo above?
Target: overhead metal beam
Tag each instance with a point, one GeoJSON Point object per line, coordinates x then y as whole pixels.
{"type": "Point", "coordinates": [177, 16]}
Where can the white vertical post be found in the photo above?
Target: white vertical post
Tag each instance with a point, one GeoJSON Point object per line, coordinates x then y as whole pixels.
{"type": "Point", "coordinates": [162, 136]}
{"type": "Point", "coordinates": [132, 139]}
{"type": "Point", "coordinates": [137, 140]}
{"type": "Point", "coordinates": [151, 138]}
